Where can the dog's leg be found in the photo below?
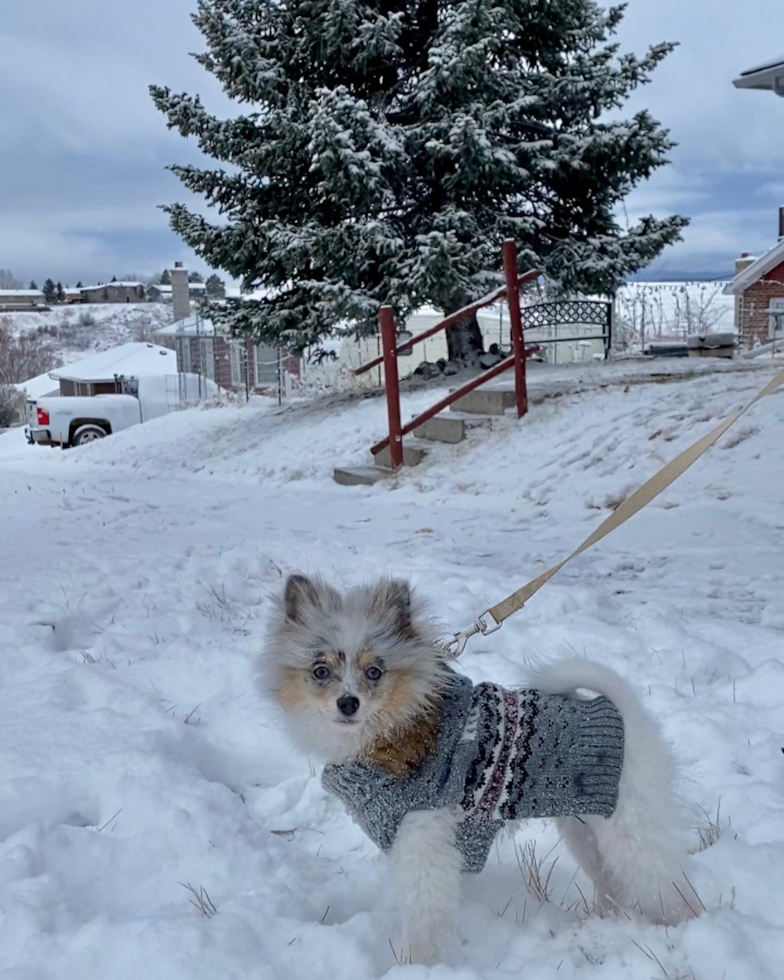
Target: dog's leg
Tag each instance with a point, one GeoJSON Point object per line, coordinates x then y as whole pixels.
{"type": "Point", "coordinates": [427, 864]}
{"type": "Point", "coordinates": [641, 849]}
{"type": "Point", "coordinates": [641, 846]}
{"type": "Point", "coordinates": [580, 838]}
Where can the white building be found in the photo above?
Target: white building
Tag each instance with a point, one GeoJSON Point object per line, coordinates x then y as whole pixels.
{"type": "Point", "coordinates": [96, 375]}
{"type": "Point", "coordinates": [769, 77]}
{"type": "Point", "coordinates": [160, 293]}
{"type": "Point", "coordinates": [21, 298]}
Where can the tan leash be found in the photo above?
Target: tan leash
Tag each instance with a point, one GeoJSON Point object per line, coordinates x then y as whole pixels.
{"type": "Point", "coordinates": [493, 618]}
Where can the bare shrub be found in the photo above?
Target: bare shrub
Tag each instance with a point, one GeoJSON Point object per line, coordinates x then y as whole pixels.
{"type": "Point", "coordinates": [11, 405]}
{"type": "Point", "coordinates": [23, 357]}
{"type": "Point", "coordinates": [649, 311]}
{"type": "Point", "coordinates": [8, 280]}
{"type": "Point", "coordinates": [697, 310]}
{"type": "Point", "coordinates": [144, 333]}
{"type": "Point", "coordinates": [86, 319]}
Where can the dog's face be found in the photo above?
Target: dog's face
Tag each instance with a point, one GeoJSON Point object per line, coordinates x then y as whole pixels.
{"type": "Point", "coordinates": [351, 668]}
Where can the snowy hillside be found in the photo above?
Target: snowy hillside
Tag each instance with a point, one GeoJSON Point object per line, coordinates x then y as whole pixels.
{"type": "Point", "coordinates": [137, 757]}
{"type": "Point", "coordinates": [70, 332]}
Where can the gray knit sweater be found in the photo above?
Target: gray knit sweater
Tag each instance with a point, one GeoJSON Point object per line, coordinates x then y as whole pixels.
{"type": "Point", "coordinates": [500, 755]}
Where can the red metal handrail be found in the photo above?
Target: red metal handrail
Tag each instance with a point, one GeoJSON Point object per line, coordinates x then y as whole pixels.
{"type": "Point", "coordinates": [454, 318]}
{"type": "Point", "coordinates": [391, 351]}
{"type": "Point", "coordinates": [395, 438]}
{"type": "Point", "coordinates": [449, 399]}
{"type": "Point", "coordinates": [509, 253]}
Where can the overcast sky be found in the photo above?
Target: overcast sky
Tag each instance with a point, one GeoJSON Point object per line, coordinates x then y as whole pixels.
{"type": "Point", "coordinates": [83, 151]}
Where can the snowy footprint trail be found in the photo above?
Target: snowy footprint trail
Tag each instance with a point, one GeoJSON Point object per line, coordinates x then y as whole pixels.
{"type": "Point", "coordinates": [137, 758]}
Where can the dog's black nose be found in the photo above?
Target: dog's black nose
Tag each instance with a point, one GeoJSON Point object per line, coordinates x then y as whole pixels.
{"type": "Point", "coordinates": [348, 705]}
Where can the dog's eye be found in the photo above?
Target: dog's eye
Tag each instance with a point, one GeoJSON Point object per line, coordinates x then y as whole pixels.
{"type": "Point", "coordinates": [321, 672]}
{"type": "Point", "coordinates": [373, 673]}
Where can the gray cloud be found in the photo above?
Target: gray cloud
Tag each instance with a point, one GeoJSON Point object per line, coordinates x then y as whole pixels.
{"type": "Point", "coordinates": [84, 150]}
{"type": "Point", "coordinates": [730, 142]}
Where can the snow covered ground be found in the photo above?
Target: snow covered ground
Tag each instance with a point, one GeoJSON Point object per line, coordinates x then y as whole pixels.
{"type": "Point", "coordinates": [137, 758]}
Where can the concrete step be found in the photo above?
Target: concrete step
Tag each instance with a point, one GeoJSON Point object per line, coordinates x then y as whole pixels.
{"type": "Point", "coordinates": [359, 476]}
{"type": "Point", "coordinates": [485, 401]}
{"type": "Point", "coordinates": [414, 451]}
{"type": "Point", "coordinates": [451, 427]}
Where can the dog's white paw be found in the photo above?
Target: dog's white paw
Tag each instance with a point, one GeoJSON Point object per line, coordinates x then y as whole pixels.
{"type": "Point", "coordinates": [422, 953]}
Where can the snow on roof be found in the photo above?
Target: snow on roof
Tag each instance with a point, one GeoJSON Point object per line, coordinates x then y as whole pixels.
{"type": "Point", "coordinates": [134, 359]}
{"type": "Point", "coordinates": [192, 326]}
{"type": "Point", "coordinates": [760, 267]}
{"type": "Point", "coordinates": [768, 77]}
{"type": "Point", "coordinates": [39, 387]}
{"type": "Point", "coordinates": [236, 292]}
{"type": "Point", "coordinates": [195, 287]}
{"type": "Point", "coordinates": [21, 292]}
{"type": "Point", "coordinates": [105, 285]}
{"type": "Point", "coordinates": [773, 63]}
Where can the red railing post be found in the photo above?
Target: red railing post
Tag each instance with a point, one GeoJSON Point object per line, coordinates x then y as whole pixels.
{"type": "Point", "coordinates": [386, 322]}
{"type": "Point", "coordinates": [509, 252]}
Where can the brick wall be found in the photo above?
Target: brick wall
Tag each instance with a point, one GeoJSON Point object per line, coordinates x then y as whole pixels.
{"type": "Point", "coordinates": [753, 316]}
{"type": "Point", "coordinates": [222, 363]}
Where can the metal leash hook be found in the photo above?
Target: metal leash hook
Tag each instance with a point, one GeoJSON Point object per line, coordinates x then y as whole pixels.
{"type": "Point", "coordinates": [456, 646]}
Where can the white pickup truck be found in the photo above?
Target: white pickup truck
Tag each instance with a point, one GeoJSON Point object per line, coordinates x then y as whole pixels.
{"type": "Point", "coordinates": [75, 420]}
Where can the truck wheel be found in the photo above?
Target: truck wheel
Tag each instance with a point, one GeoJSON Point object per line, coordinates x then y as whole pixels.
{"type": "Point", "coordinates": [87, 433]}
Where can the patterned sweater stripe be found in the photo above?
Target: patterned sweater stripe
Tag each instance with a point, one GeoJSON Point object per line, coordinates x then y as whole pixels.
{"type": "Point", "coordinates": [499, 755]}
{"type": "Point", "coordinates": [507, 710]}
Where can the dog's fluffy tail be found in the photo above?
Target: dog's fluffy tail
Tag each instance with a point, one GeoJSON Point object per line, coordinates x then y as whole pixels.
{"type": "Point", "coordinates": [640, 849]}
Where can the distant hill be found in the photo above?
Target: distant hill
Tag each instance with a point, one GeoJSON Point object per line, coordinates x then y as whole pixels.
{"type": "Point", "coordinates": [72, 332]}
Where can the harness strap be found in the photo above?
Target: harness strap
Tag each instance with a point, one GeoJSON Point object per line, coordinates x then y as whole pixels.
{"type": "Point", "coordinates": [639, 499]}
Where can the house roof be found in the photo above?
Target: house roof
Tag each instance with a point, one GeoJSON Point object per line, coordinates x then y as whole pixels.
{"type": "Point", "coordinates": [237, 292]}
{"type": "Point", "coordinates": [768, 77]}
{"type": "Point", "coordinates": [22, 292]}
{"type": "Point", "coordinates": [753, 273]}
{"type": "Point", "coordinates": [39, 387]}
{"type": "Point", "coordinates": [130, 359]}
{"type": "Point", "coordinates": [105, 285]}
{"type": "Point", "coordinates": [191, 326]}
{"type": "Point", "coordinates": [195, 287]}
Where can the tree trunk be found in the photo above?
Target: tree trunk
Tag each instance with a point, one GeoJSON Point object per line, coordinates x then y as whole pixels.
{"type": "Point", "coordinates": [464, 341]}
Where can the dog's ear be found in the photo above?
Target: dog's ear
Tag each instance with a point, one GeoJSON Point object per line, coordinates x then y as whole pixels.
{"type": "Point", "coordinates": [393, 597]}
{"type": "Point", "coordinates": [303, 594]}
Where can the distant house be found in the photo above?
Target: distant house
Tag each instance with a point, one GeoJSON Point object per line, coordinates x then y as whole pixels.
{"type": "Point", "coordinates": [114, 292]}
{"type": "Point", "coordinates": [98, 374]}
{"type": "Point", "coordinates": [758, 288]}
{"type": "Point", "coordinates": [73, 296]}
{"type": "Point", "coordinates": [769, 77]}
{"type": "Point", "coordinates": [160, 293]}
{"type": "Point", "coordinates": [234, 364]}
{"type": "Point", "coordinates": [13, 299]}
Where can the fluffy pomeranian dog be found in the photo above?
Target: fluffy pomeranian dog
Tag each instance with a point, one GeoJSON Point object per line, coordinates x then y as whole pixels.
{"type": "Point", "coordinates": [432, 767]}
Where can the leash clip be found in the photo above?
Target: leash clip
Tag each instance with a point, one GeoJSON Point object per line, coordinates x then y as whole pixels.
{"type": "Point", "coordinates": [479, 625]}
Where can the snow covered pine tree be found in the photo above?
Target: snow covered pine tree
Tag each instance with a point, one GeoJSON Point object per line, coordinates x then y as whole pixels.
{"type": "Point", "coordinates": [388, 148]}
